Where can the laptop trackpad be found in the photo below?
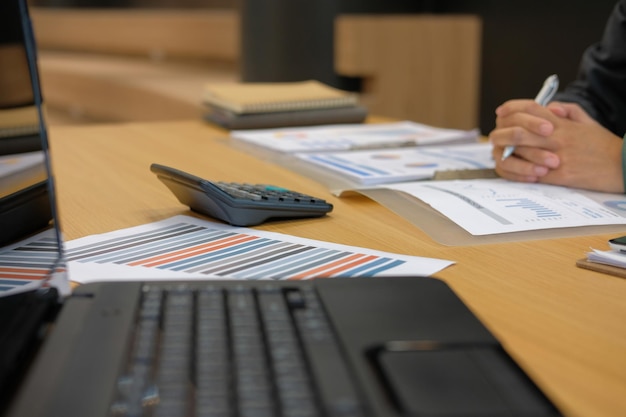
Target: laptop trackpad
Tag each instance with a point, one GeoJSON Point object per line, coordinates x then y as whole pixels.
{"type": "Point", "coordinates": [459, 382]}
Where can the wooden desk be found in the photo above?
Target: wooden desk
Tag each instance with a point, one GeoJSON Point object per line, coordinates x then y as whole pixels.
{"type": "Point", "coordinates": [564, 325]}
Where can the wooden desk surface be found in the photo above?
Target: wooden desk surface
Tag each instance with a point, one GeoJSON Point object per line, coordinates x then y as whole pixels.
{"type": "Point", "coordinates": [564, 325]}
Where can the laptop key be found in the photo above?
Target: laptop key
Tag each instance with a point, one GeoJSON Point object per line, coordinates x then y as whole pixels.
{"type": "Point", "coordinates": [212, 369]}
{"type": "Point", "coordinates": [295, 394]}
{"type": "Point", "coordinates": [337, 392]}
{"type": "Point", "coordinates": [136, 390]}
{"type": "Point", "coordinates": [173, 373]}
{"type": "Point", "coordinates": [252, 375]}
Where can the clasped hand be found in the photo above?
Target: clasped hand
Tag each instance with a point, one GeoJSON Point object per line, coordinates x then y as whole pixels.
{"type": "Point", "coordinates": [559, 144]}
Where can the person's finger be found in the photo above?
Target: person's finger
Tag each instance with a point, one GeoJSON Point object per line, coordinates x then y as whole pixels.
{"type": "Point", "coordinates": [518, 136]}
{"type": "Point", "coordinates": [511, 176]}
{"type": "Point", "coordinates": [572, 111]}
{"type": "Point", "coordinates": [515, 106]}
{"type": "Point", "coordinates": [538, 156]}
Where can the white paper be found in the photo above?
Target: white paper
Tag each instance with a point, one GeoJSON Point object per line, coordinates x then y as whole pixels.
{"type": "Point", "coordinates": [352, 137]}
{"type": "Point", "coordinates": [183, 248]}
{"type": "Point", "coordinates": [608, 257]}
{"type": "Point", "coordinates": [491, 206]}
{"type": "Point", "coordinates": [371, 167]}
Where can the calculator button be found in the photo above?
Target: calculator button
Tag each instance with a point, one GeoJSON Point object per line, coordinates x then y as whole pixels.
{"type": "Point", "coordinates": [237, 192]}
{"type": "Point", "coordinates": [275, 188]}
{"type": "Point", "coordinates": [266, 192]}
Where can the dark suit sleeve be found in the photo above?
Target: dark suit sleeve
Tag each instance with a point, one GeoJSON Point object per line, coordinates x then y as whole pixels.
{"type": "Point", "coordinates": [601, 85]}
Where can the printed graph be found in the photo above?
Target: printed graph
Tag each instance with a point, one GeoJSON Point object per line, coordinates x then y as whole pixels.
{"type": "Point", "coordinates": [532, 209]}
{"type": "Point", "coordinates": [493, 206]}
{"type": "Point", "coordinates": [413, 163]}
{"type": "Point", "coordinates": [228, 253]}
{"type": "Point", "coordinates": [26, 265]}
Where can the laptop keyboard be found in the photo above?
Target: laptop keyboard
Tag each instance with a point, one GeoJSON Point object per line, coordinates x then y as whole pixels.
{"type": "Point", "coordinates": [236, 351]}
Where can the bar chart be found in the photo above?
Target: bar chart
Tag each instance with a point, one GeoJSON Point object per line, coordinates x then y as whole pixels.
{"type": "Point", "coordinates": [23, 266]}
{"type": "Point", "coordinates": [187, 247]}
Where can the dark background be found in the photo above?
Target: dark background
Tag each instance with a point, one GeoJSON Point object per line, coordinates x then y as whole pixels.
{"type": "Point", "coordinates": [523, 41]}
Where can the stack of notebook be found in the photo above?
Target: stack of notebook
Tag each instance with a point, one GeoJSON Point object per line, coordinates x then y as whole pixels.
{"type": "Point", "coordinates": [18, 121]}
{"type": "Point", "coordinates": [612, 262]}
{"type": "Point", "coordinates": [269, 105]}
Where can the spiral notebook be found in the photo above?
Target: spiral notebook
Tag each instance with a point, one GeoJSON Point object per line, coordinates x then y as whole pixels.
{"type": "Point", "coordinates": [249, 98]}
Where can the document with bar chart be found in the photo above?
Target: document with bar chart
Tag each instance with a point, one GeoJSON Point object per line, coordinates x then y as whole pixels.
{"type": "Point", "coordinates": [184, 247]}
{"type": "Point", "coordinates": [32, 263]}
{"type": "Point", "coordinates": [371, 167]}
{"type": "Point", "coordinates": [492, 206]}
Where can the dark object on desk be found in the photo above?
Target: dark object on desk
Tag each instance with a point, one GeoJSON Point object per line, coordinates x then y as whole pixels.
{"type": "Point", "coordinates": [24, 318]}
{"type": "Point", "coordinates": [232, 121]}
{"type": "Point", "coordinates": [383, 347]}
{"type": "Point", "coordinates": [24, 212]}
{"type": "Point", "coordinates": [10, 145]}
{"type": "Point", "coordinates": [239, 204]}
{"type": "Point", "coordinates": [618, 244]}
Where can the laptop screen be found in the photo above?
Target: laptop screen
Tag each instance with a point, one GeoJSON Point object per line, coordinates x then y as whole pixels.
{"type": "Point", "coordinates": [31, 253]}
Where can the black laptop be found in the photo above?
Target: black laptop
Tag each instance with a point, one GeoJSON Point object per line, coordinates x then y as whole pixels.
{"type": "Point", "coordinates": [350, 347]}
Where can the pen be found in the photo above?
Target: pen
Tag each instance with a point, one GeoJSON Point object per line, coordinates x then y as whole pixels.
{"type": "Point", "coordinates": [549, 88]}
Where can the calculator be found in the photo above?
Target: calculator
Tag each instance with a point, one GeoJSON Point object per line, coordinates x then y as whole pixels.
{"type": "Point", "coordinates": [239, 204]}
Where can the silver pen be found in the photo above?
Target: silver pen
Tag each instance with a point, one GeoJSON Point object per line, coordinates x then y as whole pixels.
{"type": "Point", "coordinates": [549, 88]}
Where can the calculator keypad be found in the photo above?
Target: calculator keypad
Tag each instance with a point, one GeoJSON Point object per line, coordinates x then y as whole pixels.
{"type": "Point", "coordinates": [265, 192]}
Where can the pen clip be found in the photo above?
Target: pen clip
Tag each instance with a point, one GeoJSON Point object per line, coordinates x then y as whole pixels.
{"type": "Point", "coordinates": [548, 90]}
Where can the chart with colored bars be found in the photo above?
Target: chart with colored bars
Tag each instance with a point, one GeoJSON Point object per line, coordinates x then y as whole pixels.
{"type": "Point", "coordinates": [25, 265]}
{"type": "Point", "coordinates": [188, 247]}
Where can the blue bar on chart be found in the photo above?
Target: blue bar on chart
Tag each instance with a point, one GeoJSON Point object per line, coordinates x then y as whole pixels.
{"type": "Point", "coordinates": [539, 210]}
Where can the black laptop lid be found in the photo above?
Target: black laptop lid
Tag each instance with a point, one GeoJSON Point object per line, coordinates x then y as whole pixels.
{"type": "Point", "coordinates": [30, 245]}
{"type": "Point", "coordinates": [31, 259]}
